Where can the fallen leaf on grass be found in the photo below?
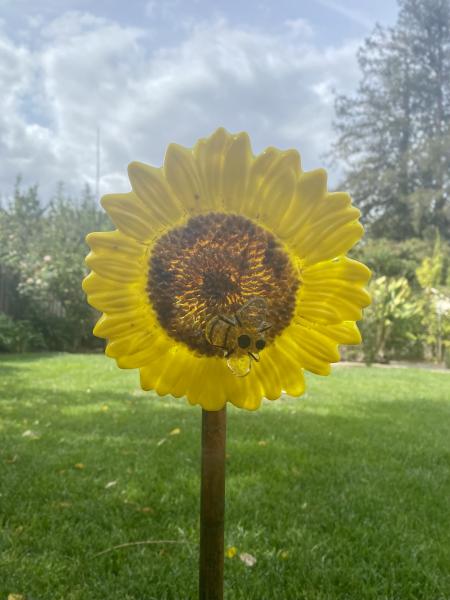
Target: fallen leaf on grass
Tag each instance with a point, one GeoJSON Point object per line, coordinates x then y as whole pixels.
{"type": "Point", "coordinates": [146, 509]}
{"type": "Point", "coordinates": [104, 408]}
{"type": "Point", "coordinates": [16, 597]}
{"type": "Point", "coordinates": [175, 431]}
{"type": "Point", "coordinates": [247, 559]}
{"type": "Point", "coordinates": [231, 552]}
{"type": "Point", "coordinates": [262, 443]}
{"type": "Point", "coordinates": [110, 484]}
{"type": "Point", "coordinates": [11, 460]}
{"type": "Point", "coordinates": [79, 466]}
{"type": "Point", "coordinates": [284, 554]}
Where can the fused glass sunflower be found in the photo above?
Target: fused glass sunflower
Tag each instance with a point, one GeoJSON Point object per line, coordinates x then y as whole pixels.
{"type": "Point", "coordinates": [227, 274]}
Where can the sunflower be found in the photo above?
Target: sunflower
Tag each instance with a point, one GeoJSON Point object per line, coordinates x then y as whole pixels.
{"type": "Point", "coordinates": [227, 274]}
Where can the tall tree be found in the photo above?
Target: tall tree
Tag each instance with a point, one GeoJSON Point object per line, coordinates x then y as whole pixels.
{"type": "Point", "coordinates": [394, 132]}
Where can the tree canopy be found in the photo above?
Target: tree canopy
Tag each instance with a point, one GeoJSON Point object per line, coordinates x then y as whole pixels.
{"type": "Point", "coordinates": [394, 132]}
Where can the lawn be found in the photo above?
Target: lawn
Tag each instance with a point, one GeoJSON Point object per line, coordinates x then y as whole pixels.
{"type": "Point", "coordinates": [342, 494]}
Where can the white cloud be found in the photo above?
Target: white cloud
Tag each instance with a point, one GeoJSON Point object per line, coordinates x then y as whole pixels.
{"type": "Point", "coordinates": [300, 27]}
{"type": "Point", "coordinates": [350, 13]}
{"type": "Point", "coordinates": [84, 71]}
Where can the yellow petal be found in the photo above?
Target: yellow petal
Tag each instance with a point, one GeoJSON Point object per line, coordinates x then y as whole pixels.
{"type": "Point", "coordinates": [135, 341]}
{"type": "Point", "coordinates": [332, 291]}
{"type": "Point", "coordinates": [343, 333]}
{"type": "Point", "coordinates": [247, 392]}
{"type": "Point", "coordinates": [107, 296]}
{"type": "Point", "coordinates": [153, 353]}
{"type": "Point", "coordinates": [161, 206]}
{"type": "Point", "coordinates": [184, 180]}
{"type": "Point", "coordinates": [339, 268]}
{"type": "Point", "coordinates": [311, 349]}
{"type": "Point", "coordinates": [321, 225]}
{"type": "Point", "coordinates": [339, 242]}
{"type": "Point", "coordinates": [290, 372]}
{"type": "Point", "coordinates": [235, 172]}
{"type": "Point", "coordinates": [209, 154]}
{"type": "Point", "coordinates": [116, 245]}
{"type": "Point", "coordinates": [128, 213]}
{"type": "Point", "coordinates": [310, 193]}
{"type": "Point", "coordinates": [172, 375]}
{"type": "Point", "coordinates": [269, 376]}
{"type": "Point", "coordinates": [312, 311]}
{"type": "Point", "coordinates": [114, 325]}
{"type": "Point", "coordinates": [206, 387]}
{"type": "Point", "coordinates": [271, 186]}
{"type": "Point", "coordinates": [121, 270]}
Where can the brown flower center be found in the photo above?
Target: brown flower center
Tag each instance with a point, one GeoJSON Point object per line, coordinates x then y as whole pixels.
{"type": "Point", "coordinates": [212, 267]}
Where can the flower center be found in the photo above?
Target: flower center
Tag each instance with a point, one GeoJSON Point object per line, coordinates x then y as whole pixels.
{"type": "Point", "coordinates": [214, 266]}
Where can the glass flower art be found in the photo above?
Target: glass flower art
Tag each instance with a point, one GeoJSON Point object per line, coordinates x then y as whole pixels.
{"type": "Point", "coordinates": [227, 277]}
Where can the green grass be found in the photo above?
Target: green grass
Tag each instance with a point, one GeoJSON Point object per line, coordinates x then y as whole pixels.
{"type": "Point", "coordinates": [347, 496]}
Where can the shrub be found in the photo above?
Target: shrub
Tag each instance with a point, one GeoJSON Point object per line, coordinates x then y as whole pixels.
{"type": "Point", "coordinates": [390, 324]}
{"type": "Point", "coordinates": [19, 336]}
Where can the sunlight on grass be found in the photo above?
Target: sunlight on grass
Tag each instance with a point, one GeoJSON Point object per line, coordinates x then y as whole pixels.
{"type": "Point", "coordinates": [340, 494]}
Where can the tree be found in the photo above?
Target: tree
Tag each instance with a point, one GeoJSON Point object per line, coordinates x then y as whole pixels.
{"type": "Point", "coordinates": [42, 248]}
{"type": "Point", "coordinates": [394, 132]}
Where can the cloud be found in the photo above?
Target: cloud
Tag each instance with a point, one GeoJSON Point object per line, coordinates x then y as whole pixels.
{"type": "Point", "coordinates": [300, 27]}
{"type": "Point", "coordinates": [84, 72]}
{"type": "Point", "coordinates": [350, 13]}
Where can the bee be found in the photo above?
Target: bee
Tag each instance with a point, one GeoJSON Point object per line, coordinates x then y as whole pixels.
{"type": "Point", "coordinates": [241, 335]}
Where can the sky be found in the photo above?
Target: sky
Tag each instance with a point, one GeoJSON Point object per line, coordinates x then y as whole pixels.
{"type": "Point", "coordinates": [145, 73]}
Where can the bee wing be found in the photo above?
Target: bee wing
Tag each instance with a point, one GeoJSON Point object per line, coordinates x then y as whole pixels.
{"type": "Point", "coordinates": [264, 326]}
{"type": "Point", "coordinates": [252, 313]}
{"type": "Point", "coordinates": [239, 365]}
{"type": "Point", "coordinates": [216, 332]}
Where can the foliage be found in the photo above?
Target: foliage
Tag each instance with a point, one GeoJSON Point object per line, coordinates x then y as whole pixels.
{"type": "Point", "coordinates": [392, 258]}
{"type": "Point", "coordinates": [43, 247]}
{"type": "Point", "coordinates": [19, 336]}
{"type": "Point", "coordinates": [394, 133]}
{"type": "Point", "coordinates": [390, 323]}
{"type": "Point", "coordinates": [434, 304]}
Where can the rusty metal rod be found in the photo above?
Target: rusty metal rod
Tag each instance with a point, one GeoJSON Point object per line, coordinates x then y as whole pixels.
{"type": "Point", "coordinates": [212, 504]}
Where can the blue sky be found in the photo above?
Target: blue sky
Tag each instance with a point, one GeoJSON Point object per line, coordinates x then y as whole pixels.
{"type": "Point", "coordinates": [151, 72]}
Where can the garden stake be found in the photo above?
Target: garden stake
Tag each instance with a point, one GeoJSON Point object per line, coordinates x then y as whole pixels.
{"type": "Point", "coordinates": [212, 504]}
